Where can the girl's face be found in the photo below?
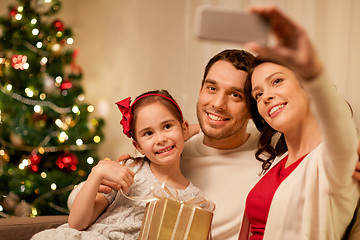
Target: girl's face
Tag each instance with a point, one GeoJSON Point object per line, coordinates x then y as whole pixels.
{"type": "Point", "coordinates": [281, 101]}
{"type": "Point", "coordinates": [159, 135]}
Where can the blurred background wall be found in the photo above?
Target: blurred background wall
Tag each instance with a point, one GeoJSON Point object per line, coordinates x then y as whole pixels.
{"type": "Point", "coordinates": [131, 46]}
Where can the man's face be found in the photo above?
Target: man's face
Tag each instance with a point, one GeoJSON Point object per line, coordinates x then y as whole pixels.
{"type": "Point", "coordinates": [221, 107]}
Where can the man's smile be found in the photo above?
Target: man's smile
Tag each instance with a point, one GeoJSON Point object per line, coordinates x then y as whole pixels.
{"type": "Point", "coordinates": [216, 117]}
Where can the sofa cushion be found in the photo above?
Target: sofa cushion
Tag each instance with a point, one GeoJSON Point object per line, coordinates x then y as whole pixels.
{"type": "Point", "coordinates": [23, 228]}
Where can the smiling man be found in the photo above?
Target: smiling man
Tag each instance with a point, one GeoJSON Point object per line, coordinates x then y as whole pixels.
{"type": "Point", "coordinates": [220, 160]}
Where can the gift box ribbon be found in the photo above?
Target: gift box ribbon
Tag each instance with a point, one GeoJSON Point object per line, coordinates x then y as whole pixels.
{"type": "Point", "coordinates": [161, 191]}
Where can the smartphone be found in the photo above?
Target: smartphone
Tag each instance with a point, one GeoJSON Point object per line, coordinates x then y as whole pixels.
{"type": "Point", "coordinates": [225, 24]}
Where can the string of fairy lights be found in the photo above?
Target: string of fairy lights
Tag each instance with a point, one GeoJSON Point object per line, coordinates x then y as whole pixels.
{"type": "Point", "coordinates": [7, 90]}
{"type": "Point", "coordinates": [62, 136]}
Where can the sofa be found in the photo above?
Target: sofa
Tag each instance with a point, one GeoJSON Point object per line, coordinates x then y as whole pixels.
{"type": "Point", "coordinates": [23, 228]}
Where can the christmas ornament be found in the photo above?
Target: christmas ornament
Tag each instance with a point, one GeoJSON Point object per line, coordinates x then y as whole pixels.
{"type": "Point", "coordinates": [4, 157]}
{"type": "Point", "coordinates": [65, 122]}
{"type": "Point", "coordinates": [54, 47]}
{"type": "Point", "coordinates": [16, 139]}
{"type": "Point", "coordinates": [19, 62]}
{"type": "Point", "coordinates": [34, 163]}
{"type": "Point", "coordinates": [39, 119]}
{"type": "Point", "coordinates": [67, 162]}
{"type": "Point", "coordinates": [23, 209]}
{"type": "Point", "coordinates": [12, 13]}
{"type": "Point", "coordinates": [66, 84]}
{"type": "Point", "coordinates": [1, 166]}
{"type": "Point", "coordinates": [61, 124]}
{"type": "Point", "coordinates": [92, 127]}
{"type": "Point", "coordinates": [2, 63]}
{"type": "Point", "coordinates": [48, 83]}
{"type": "Point", "coordinates": [69, 120]}
{"type": "Point", "coordinates": [58, 25]}
{"type": "Point", "coordinates": [43, 6]}
{"type": "Point", "coordinates": [10, 201]}
{"type": "Point", "coordinates": [75, 68]}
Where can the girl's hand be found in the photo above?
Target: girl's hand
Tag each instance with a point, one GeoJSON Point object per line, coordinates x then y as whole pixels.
{"type": "Point", "coordinates": [119, 175]}
{"type": "Point", "coordinates": [107, 186]}
{"type": "Point", "coordinates": [293, 46]}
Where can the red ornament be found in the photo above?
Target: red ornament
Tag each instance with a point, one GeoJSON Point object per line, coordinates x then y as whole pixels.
{"type": "Point", "coordinates": [13, 12]}
{"type": "Point", "coordinates": [67, 162]}
{"type": "Point", "coordinates": [66, 84]}
{"type": "Point", "coordinates": [36, 117]}
{"type": "Point", "coordinates": [75, 68]}
{"type": "Point", "coordinates": [58, 25]}
{"type": "Point", "coordinates": [18, 61]}
{"type": "Point", "coordinates": [34, 163]}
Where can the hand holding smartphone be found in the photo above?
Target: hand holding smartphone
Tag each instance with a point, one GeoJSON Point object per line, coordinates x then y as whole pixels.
{"type": "Point", "coordinates": [225, 24]}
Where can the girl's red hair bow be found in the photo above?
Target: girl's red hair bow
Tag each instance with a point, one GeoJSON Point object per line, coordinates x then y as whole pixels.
{"type": "Point", "coordinates": [125, 109]}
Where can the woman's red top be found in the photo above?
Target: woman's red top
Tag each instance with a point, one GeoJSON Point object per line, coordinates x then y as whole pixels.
{"type": "Point", "coordinates": [259, 198]}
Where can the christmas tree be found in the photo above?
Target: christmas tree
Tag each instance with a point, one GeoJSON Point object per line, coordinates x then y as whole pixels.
{"type": "Point", "coordinates": [48, 139]}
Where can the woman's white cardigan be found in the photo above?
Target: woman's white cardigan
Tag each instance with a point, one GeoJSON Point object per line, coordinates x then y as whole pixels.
{"type": "Point", "coordinates": [317, 200]}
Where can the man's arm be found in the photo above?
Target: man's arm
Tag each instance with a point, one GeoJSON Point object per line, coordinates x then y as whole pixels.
{"type": "Point", "coordinates": [356, 174]}
{"type": "Point", "coordinates": [193, 130]}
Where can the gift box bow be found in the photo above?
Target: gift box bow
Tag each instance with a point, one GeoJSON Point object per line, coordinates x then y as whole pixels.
{"type": "Point", "coordinates": [162, 191]}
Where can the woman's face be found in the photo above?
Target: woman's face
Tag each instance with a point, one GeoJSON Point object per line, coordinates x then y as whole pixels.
{"type": "Point", "coordinates": [281, 101]}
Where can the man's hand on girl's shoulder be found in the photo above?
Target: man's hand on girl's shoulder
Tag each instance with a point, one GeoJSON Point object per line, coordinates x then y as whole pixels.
{"type": "Point", "coordinates": [356, 174]}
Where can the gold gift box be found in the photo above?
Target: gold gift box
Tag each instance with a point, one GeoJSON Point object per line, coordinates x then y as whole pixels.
{"type": "Point", "coordinates": [166, 219]}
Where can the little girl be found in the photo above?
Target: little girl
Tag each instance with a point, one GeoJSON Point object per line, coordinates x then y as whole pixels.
{"type": "Point", "coordinates": [155, 123]}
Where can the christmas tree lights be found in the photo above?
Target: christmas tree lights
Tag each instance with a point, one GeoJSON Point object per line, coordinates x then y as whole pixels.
{"type": "Point", "coordinates": [48, 138]}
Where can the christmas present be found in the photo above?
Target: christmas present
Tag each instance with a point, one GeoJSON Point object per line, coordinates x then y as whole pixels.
{"type": "Point", "coordinates": [169, 219]}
